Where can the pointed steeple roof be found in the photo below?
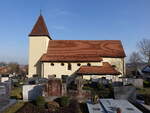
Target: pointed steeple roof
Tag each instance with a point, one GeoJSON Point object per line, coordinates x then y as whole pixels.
{"type": "Point", "coordinates": [40, 28]}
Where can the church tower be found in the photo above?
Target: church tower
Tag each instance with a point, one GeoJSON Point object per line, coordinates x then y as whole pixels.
{"type": "Point", "coordinates": [38, 44]}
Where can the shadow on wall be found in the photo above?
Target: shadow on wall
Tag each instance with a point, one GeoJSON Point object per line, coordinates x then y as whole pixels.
{"type": "Point", "coordinates": [35, 92]}
{"type": "Point", "coordinates": [38, 68]}
{"type": "Point", "coordinates": [71, 78]}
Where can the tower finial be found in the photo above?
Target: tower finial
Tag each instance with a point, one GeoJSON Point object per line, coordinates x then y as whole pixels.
{"type": "Point", "coordinates": [40, 11]}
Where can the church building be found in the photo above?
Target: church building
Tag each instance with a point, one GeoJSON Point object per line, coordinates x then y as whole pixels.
{"type": "Point", "coordinates": [85, 58]}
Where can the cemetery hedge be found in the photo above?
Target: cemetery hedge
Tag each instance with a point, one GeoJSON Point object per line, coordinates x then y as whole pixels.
{"type": "Point", "coordinates": [72, 107]}
{"type": "Point", "coordinates": [103, 91]}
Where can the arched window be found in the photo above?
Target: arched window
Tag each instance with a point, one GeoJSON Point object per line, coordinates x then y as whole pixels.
{"type": "Point", "coordinates": [88, 64]}
{"type": "Point", "coordinates": [78, 64]}
{"type": "Point", "coordinates": [52, 64]}
{"type": "Point", "coordinates": [62, 64]}
{"type": "Point", "coordinates": [69, 66]}
{"type": "Point", "coordinates": [114, 66]}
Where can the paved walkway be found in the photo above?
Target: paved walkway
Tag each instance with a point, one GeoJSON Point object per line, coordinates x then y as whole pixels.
{"type": "Point", "coordinates": [6, 104]}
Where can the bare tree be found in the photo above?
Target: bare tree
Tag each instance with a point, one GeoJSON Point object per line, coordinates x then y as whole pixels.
{"type": "Point", "coordinates": [14, 67]}
{"type": "Point", "coordinates": [135, 59]}
{"type": "Point", "coordinates": [144, 48]}
{"type": "Point", "coordinates": [26, 69]}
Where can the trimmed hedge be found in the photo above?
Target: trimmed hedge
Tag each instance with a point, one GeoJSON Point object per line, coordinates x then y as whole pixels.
{"type": "Point", "coordinates": [103, 91]}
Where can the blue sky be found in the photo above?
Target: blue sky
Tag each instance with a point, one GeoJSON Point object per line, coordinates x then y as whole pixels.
{"type": "Point", "coordinates": [126, 20]}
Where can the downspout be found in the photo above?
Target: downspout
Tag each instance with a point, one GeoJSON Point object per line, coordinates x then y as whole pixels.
{"type": "Point", "coordinates": [42, 73]}
{"type": "Point", "coordinates": [43, 69]}
{"type": "Point", "coordinates": [123, 67]}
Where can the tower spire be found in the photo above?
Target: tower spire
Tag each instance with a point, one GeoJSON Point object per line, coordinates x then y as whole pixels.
{"type": "Point", "coordinates": [40, 28]}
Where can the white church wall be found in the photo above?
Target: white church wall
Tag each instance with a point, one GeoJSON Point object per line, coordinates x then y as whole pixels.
{"type": "Point", "coordinates": [59, 70]}
{"type": "Point", "coordinates": [114, 78]}
{"type": "Point", "coordinates": [118, 62]}
{"type": "Point", "coordinates": [37, 47]}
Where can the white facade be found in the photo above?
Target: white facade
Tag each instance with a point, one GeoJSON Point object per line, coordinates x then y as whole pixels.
{"type": "Point", "coordinates": [37, 47]}
{"type": "Point", "coordinates": [59, 70]}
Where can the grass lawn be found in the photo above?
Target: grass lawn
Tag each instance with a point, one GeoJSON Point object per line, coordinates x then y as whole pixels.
{"type": "Point", "coordinates": [143, 91]}
{"type": "Point", "coordinates": [16, 93]}
{"type": "Point", "coordinates": [14, 108]}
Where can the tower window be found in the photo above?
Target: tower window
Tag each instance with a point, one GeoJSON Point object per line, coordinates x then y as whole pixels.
{"type": "Point", "coordinates": [69, 66]}
{"type": "Point", "coordinates": [78, 64]}
{"type": "Point", "coordinates": [88, 64]}
{"type": "Point", "coordinates": [62, 64]}
{"type": "Point", "coordinates": [52, 64]}
{"type": "Point", "coordinates": [114, 66]}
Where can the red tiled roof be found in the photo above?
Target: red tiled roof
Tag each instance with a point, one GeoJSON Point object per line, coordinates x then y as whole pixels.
{"type": "Point", "coordinates": [67, 58]}
{"type": "Point", "coordinates": [106, 69]}
{"type": "Point", "coordinates": [103, 48]}
{"type": "Point", "coordinates": [83, 50]}
{"type": "Point", "coordinates": [40, 28]}
{"type": "Point", "coordinates": [4, 69]}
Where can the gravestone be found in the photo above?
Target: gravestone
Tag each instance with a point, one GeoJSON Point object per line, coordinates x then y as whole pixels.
{"type": "Point", "coordinates": [31, 92]}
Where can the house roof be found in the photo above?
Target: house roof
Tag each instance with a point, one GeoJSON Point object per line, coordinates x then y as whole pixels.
{"type": "Point", "coordinates": [79, 49]}
{"type": "Point", "coordinates": [106, 69]}
{"type": "Point", "coordinates": [146, 69]}
{"type": "Point", "coordinates": [4, 69]}
{"type": "Point", "coordinates": [40, 28]}
{"type": "Point", "coordinates": [70, 58]}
